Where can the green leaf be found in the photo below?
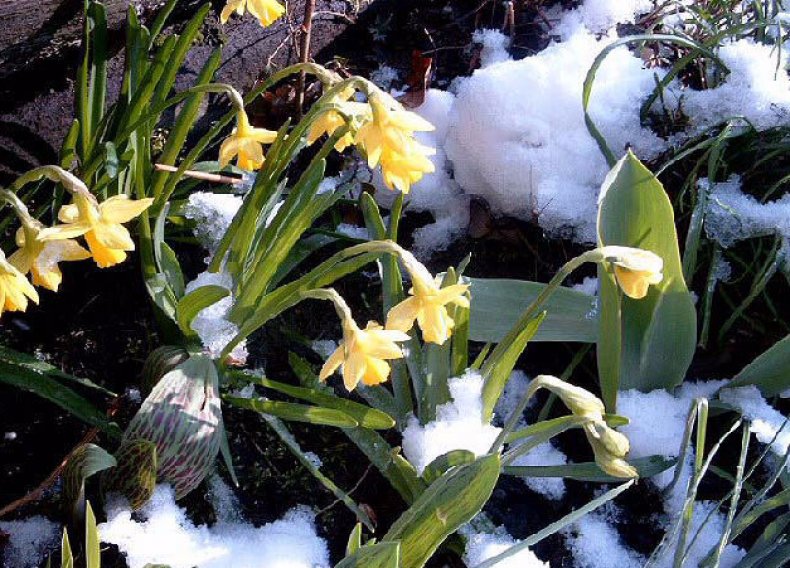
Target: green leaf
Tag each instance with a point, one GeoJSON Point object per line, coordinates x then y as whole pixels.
{"type": "Point", "coordinates": [66, 556]}
{"type": "Point", "coordinates": [366, 416]}
{"type": "Point", "coordinates": [589, 471]}
{"type": "Point", "coordinates": [85, 461]}
{"type": "Point", "coordinates": [655, 336]}
{"type": "Point", "coordinates": [354, 540]}
{"type": "Point", "coordinates": [441, 464]}
{"type": "Point", "coordinates": [497, 369]}
{"type": "Point", "coordinates": [381, 555]}
{"type": "Point", "coordinates": [295, 412]}
{"type": "Point", "coordinates": [92, 541]}
{"type": "Point", "coordinates": [770, 372]}
{"type": "Point", "coordinates": [498, 303]}
{"type": "Point", "coordinates": [190, 305]}
{"type": "Point", "coordinates": [50, 389]}
{"type": "Point", "coordinates": [447, 504]}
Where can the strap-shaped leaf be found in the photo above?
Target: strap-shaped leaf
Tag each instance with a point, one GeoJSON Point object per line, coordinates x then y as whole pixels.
{"type": "Point", "coordinates": [190, 305]}
{"type": "Point", "coordinates": [441, 464]}
{"type": "Point", "coordinates": [296, 412]}
{"type": "Point", "coordinates": [447, 504]}
{"type": "Point", "coordinates": [589, 471]}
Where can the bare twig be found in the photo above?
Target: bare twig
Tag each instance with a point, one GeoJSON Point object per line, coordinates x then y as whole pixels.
{"type": "Point", "coordinates": [304, 52]}
{"type": "Point", "coordinates": [205, 176]}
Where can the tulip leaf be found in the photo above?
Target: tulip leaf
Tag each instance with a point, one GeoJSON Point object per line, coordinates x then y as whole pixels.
{"type": "Point", "coordinates": [66, 556]}
{"type": "Point", "coordinates": [770, 372]}
{"type": "Point", "coordinates": [190, 305]}
{"type": "Point", "coordinates": [381, 555]}
{"type": "Point", "coordinates": [498, 303]}
{"type": "Point", "coordinates": [448, 503]}
{"type": "Point", "coordinates": [589, 471]}
{"type": "Point", "coordinates": [651, 344]}
{"type": "Point", "coordinates": [354, 540]}
{"type": "Point", "coordinates": [295, 412]}
{"type": "Point", "coordinates": [441, 464]}
{"type": "Point", "coordinates": [92, 541]}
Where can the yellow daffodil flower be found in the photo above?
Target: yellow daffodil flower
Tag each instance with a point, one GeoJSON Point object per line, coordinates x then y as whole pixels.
{"type": "Point", "coordinates": [427, 304]}
{"type": "Point", "coordinates": [246, 144]}
{"type": "Point", "coordinates": [387, 137]}
{"type": "Point", "coordinates": [635, 269]}
{"type": "Point", "coordinates": [41, 258]}
{"type": "Point", "coordinates": [609, 446]}
{"type": "Point", "coordinates": [14, 288]}
{"type": "Point", "coordinates": [400, 171]}
{"type": "Point", "coordinates": [266, 11]}
{"type": "Point", "coordinates": [100, 223]}
{"type": "Point", "coordinates": [362, 353]}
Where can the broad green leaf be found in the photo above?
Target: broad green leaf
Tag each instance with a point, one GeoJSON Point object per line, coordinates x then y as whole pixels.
{"type": "Point", "coordinates": [295, 412]}
{"type": "Point", "coordinates": [589, 471]}
{"type": "Point", "coordinates": [498, 303]}
{"type": "Point", "coordinates": [381, 555]}
{"type": "Point", "coordinates": [190, 305]}
{"type": "Point", "coordinates": [656, 335]}
{"type": "Point", "coordinates": [770, 372]}
{"type": "Point", "coordinates": [447, 504]}
{"type": "Point", "coordinates": [50, 389]}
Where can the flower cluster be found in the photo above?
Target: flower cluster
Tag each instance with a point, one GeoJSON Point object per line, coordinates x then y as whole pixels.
{"type": "Point", "coordinates": [381, 129]}
{"type": "Point", "coordinates": [609, 446]}
{"type": "Point", "coordinates": [41, 249]}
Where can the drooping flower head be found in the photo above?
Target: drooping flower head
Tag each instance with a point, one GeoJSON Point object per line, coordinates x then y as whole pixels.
{"type": "Point", "coordinates": [15, 290]}
{"type": "Point", "coordinates": [100, 223]}
{"type": "Point", "coordinates": [245, 144]}
{"type": "Point", "coordinates": [266, 11]}
{"type": "Point", "coordinates": [363, 354]}
{"type": "Point", "coordinates": [41, 258]}
{"type": "Point", "coordinates": [609, 446]}
{"type": "Point", "coordinates": [427, 303]}
{"type": "Point", "coordinates": [635, 269]}
{"type": "Point", "coordinates": [388, 138]}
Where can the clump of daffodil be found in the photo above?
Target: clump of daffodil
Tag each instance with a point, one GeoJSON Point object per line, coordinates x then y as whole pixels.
{"type": "Point", "coordinates": [388, 139]}
{"type": "Point", "coordinates": [427, 303]}
{"type": "Point", "coordinates": [609, 446]}
{"type": "Point", "coordinates": [635, 269]}
{"type": "Point", "coordinates": [266, 11]}
{"type": "Point", "coordinates": [15, 290]}
{"type": "Point", "coordinates": [100, 224]}
{"type": "Point", "coordinates": [363, 354]}
{"type": "Point", "coordinates": [245, 144]}
{"type": "Point", "coordinates": [41, 258]}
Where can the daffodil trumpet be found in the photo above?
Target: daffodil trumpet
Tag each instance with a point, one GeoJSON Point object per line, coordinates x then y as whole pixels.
{"type": "Point", "coordinates": [363, 354]}
{"type": "Point", "coordinates": [15, 289]}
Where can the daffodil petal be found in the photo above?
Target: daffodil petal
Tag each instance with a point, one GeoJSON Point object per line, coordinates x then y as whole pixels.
{"type": "Point", "coordinates": [401, 317]}
{"type": "Point", "coordinates": [121, 209]}
{"type": "Point", "coordinates": [332, 364]}
{"type": "Point", "coordinates": [70, 231]}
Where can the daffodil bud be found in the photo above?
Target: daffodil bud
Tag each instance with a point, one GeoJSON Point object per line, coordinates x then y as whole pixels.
{"type": "Point", "coordinates": [615, 443]}
{"type": "Point", "coordinates": [635, 269]}
{"type": "Point", "coordinates": [579, 401]}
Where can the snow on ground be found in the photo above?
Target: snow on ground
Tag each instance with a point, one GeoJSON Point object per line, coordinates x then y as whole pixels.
{"type": "Point", "coordinates": [212, 214]}
{"type": "Point", "coordinates": [589, 286]}
{"type": "Point", "coordinates": [733, 216]}
{"type": "Point", "coordinates": [211, 323]}
{"type": "Point", "coordinates": [767, 422]}
{"type": "Point", "coordinates": [458, 426]}
{"type": "Point", "coordinates": [483, 546]}
{"type": "Point", "coordinates": [167, 536]}
{"type": "Point", "coordinates": [31, 540]}
{"type": "Point", "coordinates": [595, 543]}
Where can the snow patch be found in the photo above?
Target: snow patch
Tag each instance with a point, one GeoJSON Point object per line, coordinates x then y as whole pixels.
{"type": "Point", "coordinates": [167, 536]}
{"type": "Point", "coordinates": [484, 546]}
{"type": "Point", "coordinates": [31, 540]}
